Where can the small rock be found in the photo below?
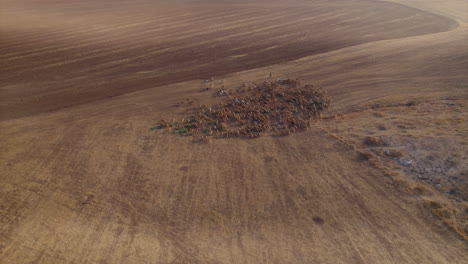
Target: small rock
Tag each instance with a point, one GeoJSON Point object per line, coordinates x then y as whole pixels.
{"type": "Point", "coordinates": [405, 162]}
{"type": "Point", "coordinates": [438, 186]}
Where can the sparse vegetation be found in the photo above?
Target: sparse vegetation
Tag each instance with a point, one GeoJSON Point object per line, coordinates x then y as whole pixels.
{"type": "Point", "coordinates": [381, 127]}
{"type": "Point", "coordinates": [374, 141]}
{"type": "Point", "coordinates": [420, 190]}
{"type": "Point", "coordinates": [318, 220]}
{"type": "Point", "coordinates": [435, 205]}
{"type": "Point", "coordinates": [366, 155]}
{"type": "Point", "coordinates": [378, 114]}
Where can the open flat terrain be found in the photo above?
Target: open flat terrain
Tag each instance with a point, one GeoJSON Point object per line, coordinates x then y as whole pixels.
{"type": "Point", "coordinates": [84, 180]}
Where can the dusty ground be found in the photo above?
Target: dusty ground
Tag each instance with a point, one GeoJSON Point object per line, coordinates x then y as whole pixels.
{"type": "Point", "coordinates": [421, 145]}
{"type": "Point", "coordinates": [84, 180]}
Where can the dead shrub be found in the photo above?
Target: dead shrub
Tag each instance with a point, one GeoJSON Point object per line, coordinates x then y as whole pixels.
{"type": "Point", "coordinates": [463, 232]}
{"type": "Point", "coordinates": [401, 183]}
{"type": "Point", "coordinates": [442, 213]}
{"type": "Point", "coordinates": [318, 220]}
{"type": "Point", "coordinates": [381, 127]}
{"type": "Point", "coordinates": [420, 190]}
{"type": "Point", "coordinates": [378, 114]}
{"type": "Point", "coordinates": [374, 141]}
{"type": "Point", "coordinates": [394, 153]}
{"type": "Point", "coordinates": [435, 205]}
{"type": "Point", "coordinates": [366, 155]}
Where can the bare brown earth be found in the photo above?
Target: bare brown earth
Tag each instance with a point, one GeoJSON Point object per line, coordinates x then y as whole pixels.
{"type": "Point", "coordinates": [63, 53]}
{"type": "Point", "coordinates": [84, 180]}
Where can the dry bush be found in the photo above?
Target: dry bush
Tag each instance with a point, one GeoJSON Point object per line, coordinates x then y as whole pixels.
{"type": "Point", "coordinates": [394, 153]}
{"type": "Point", "coordinates": [366, 155]}
{"type": "Point", "coordinates": [318, 220]}
{"type": "Point", "coordinates": [421, 190]}
{"type": "Point", "coordinates": [374, 141]}
{"type": "Point", "coordinates": [379, 114]}
{"type": "Point", "coordinates": [460, 190]}
{"type": "Point", "coordinates": [462, 231]}
{"type": "Point", "coordinates": [381, 127]}
{"type": "Point", "coordinates": [442, 212]}
{"type": "Point", "coordinates": [435, 204]}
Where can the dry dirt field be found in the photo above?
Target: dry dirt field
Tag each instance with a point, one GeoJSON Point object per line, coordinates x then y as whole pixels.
{"type": "Point", "coordinates": [84, 180]}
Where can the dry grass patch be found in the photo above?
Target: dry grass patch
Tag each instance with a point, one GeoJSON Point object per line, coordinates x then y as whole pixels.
{"type": "Point", "coordinates": [421, 190]}
{"type": "Point", "coordinates": [376, 141]}
{"type": "Point", "coordinates": [394, 153]}
{"type": "Point", "coordinates": [366, 155]}
{"type": "Point", "coordinates": [318, 220]}
{"type": "Point", "coordinates": [378, 114]}
{"type": "Point", "coordinates": [381, 127]}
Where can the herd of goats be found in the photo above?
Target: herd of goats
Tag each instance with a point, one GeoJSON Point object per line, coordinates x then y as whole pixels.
{"type": "Point", "coordinates": [271, 108]}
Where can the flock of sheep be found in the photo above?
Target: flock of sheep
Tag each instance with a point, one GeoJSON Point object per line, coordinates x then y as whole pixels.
{"type": "Point", "coordinates": [271, 108]}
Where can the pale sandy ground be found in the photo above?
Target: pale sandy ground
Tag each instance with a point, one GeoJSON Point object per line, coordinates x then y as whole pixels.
{"type": "Point", "coordinates": [421, 144]}
{"type": "Point", "coordinates": [90, 183]}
